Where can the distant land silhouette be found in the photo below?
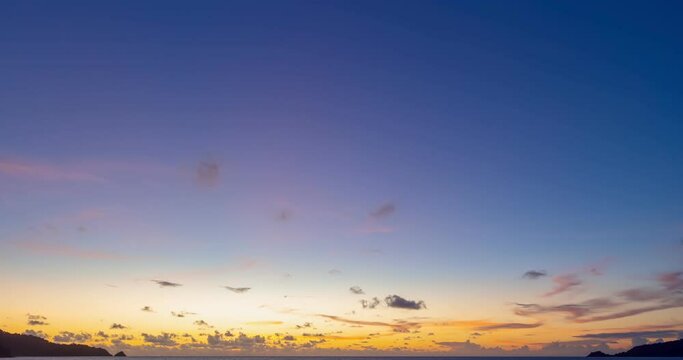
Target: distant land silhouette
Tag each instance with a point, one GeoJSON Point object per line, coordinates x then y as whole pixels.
{"type": "Point", "coordinates": [664, 349]}
{"type": "Point", "coordinates": [28, 345]}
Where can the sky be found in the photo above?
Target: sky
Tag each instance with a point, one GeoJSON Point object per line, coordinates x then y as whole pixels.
{"type": "Point", "coordinates": [342, 177]}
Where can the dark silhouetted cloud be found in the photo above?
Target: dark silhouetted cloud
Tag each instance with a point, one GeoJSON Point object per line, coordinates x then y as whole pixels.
{"type": "Point", "coordinates": [36, 333]}
{"type": "Point", "coordinates": [356, 290]}
{"type": "Point", "coordinates": [241, 341]}
{"type": "Point", "coordinates": [208, 173]}
{"type": "Point", "coordinates": [383, 211]}
{"type": "Point", "coordinates": [503, 326]}
{"type": "Point", "coordinates": [117, 326]}
{"type": "Point", "coordinates": [370, 304]}
{"type": "Point", "coordinates": [147, 309]}
{"type": "Point", "coordinates": [203, 324]}
{"type": "Point", "coordinates": [164, 283]}
{"type": "Point", "coordinates": [36, 323]}
{"type": "Point", "coordinates": [534, 274]}
{"type": "Point", "coordinates": [563, 283]}
{"type": "Point", "coordinates": [304, 325]}
{"type": "Point", "coordinates": [102, 334]}
{"type": "Point", "coordinates": [36, 320]}
{"type": "Point", "coordinates": [288, 338]}
{"type": "Point", "coordinates": [69, 337]}
{"type": "Point", "coordinates": [396, 301]}
{"type": "Point", "coordinates": [163, 339]}
{"type": "Point", "coordinates": [238, 290]}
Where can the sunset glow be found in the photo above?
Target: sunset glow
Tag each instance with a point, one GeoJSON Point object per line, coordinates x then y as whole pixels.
{"type": "Point", "coordinates": [342, 177]}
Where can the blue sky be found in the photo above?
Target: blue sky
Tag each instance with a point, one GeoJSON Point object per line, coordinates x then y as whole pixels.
{"type": "Point", "coordinates": [438, 150]}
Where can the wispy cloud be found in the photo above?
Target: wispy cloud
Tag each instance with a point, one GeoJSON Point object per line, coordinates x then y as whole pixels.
{"type": "Point", "coordinates": [117, 326]}
{"type": "Point", "coordinates": [504, 326]}
{"type": "Point", "coordinates": [563, 283]}
{"type": "Point", "coordinates": [668, 333]}
{"type": "Point", "coordinates": [265, 322]}
{"type": "Point", "coordinates": [398, 326]}
{"type": "Point", "coordinates": [383, 211]}
{"type": "Point", "coordinates": [164, 283]}
{"type": "Point", "coordinates": [147, 309]}
{"type": "Point", "coordinates": [208, 173]}
{"type": "Point", "coordinates": [182, 314]}
{"type": "Point", "coordinates": [65, 250]}
{"type": "Point", "coordinates": [238, 290]}
{"type": "Point", "coordinates": [40, 171]}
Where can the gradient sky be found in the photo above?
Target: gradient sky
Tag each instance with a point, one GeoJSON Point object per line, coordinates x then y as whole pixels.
{"type": "Point", "coordinates": [426, 177]}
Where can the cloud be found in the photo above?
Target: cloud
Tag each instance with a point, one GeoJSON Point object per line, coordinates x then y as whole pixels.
{"type": "Point", "coordinates": [557, 348]}
{"type": "Point", "coordinates": [383, 211]}
{"type": "Point", "coordinates": [182, 314]}
{"type": "Point", "coordinates": [241, 341]}
{"type": "Point", "coordinates": [36, 323]}
{"type": "Point", "coordinates": [238, 290]}
{"type": "Point", "coordinates": [503, 326]}
{"type": "Point", "coordinates": [398, 326]}
{"type": "Point", "coordinates": [563, 283]}
{"type": "Point", "coordinates": [671, 280]}
{"type": "Point", "coordinates": [356, 290]}
{"type": "Point", "coordinates": [69, 337]}
{"type": "Point", "coordinates": [265, 322]}
{"type": "Point", "coordinates": [66, 250]}
{"type": "Point", "coordinates": [304, 325]}
{"type": "Point", "coordinates": [147, 309]}
{"type": "Point", "coordinates": [102, 334]}
{"type": "Point", "coordinates": [601, 309]}
{"type": "Point", "coordinates": [669, 304]}
{"type": "Point", "coordinates": [284, 215]}
{"type": "Point", "coordinates": [164, 283]}
{"type": "Point", "coordinates": [534, 274]}
{"type": "Point", "coordinates": [203, 324]}
{"type": "Point", "coordinates": [36, 320]}
{"type": "Point", "coordinates": [117, 326]}
{"type": "Point", "coordinates": [334, 272]}
{"type": "Point", "coordinates": [289, 338]}
{"type": "Point", "coordinates": [44, 172]}
{"type": "Point", "coordinates": [396, 301]}
{"type": "Point", "coordinates": [572, 311]}
{"type": "Point", "coordinates": [36, 333]}
{"type": "Point", "coordinates": [163, 339]}
{"type": "Point", "coordinates": [208, 173]}
{"type": "Point", "coordinates": [632, 334]}
{"type": "Point", "coordinates": [370, 304]}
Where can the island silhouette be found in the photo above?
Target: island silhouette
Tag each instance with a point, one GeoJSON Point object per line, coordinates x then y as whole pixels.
{"type": "Point", "coordinates": [13, 345]}
{"type": "Point", "coordinates": [663, 349]}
